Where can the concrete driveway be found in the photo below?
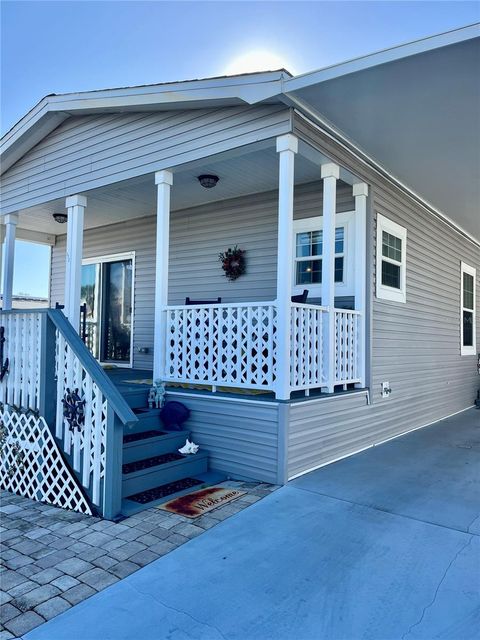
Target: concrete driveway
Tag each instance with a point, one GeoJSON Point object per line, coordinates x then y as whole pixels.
{"type": "Point", "coordinates": [384, 545]}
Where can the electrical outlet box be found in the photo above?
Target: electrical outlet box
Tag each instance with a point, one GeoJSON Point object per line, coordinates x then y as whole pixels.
{"type": "Point", "coordinates": [143, 350]}
{"type": "Point", "coordinates": [386, 390]}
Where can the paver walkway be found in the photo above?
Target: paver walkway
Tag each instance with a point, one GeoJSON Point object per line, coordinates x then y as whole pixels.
{"type": "Point", "coordinates": [382, 546]}
{"type": "Point", "coordinates": [52, 559]}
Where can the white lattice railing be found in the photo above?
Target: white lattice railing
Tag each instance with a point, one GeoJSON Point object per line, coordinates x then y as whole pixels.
{"type": "Point", "coordinates": [235, 345]}
{"type": "Point", "coordinates": [232, 345]}
{"type": "Point", "coordinates": [346, 346]}
{"type": "Point", "coordinates": [307, 352]}
{"type": "Point", "coordinates": [22, 333]}
{"type": "Point", "coordinates": [48, 360]}
{"type": "Point", "coordinates": [87, 446]}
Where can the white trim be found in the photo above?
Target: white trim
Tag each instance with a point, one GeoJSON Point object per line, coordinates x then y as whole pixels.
{"type": "Point", "coordinates": [116, 257]}
{"type": "Point", "coordinates": [346, 220]}
{"type": "Point", "coordinates": [383, 291]}
{"type": "Point", "coordinates": [377, 444]}
{"type": "Point", "coordinates": [468, 350]}
{"type": "Point", "coordinates": [287, 148]}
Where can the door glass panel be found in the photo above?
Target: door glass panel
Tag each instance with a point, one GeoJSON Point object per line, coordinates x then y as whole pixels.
{"type": "Point", "coordinates": [89, 295]}
{"type": "Point", "coordinates": [117, 310]}
{"type": "Point", "coordinates": [467, 328]}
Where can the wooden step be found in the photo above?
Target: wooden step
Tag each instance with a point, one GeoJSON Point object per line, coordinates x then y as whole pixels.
{"type": "Point", "coordinates": [136, 398]}
{"type": "Point", "coordinates": [154, 443]}
{"type": "Point", "coordinates": [147, 419]}
{"type": "Point", "coordinates": [158, 472]}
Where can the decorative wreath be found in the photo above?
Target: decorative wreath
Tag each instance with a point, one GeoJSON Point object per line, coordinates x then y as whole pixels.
{"type": "Point", "coordinates": [233, 262]}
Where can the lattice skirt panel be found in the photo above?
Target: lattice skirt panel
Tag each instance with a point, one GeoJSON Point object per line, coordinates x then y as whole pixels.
{"type": "Point", "coordinates": [32, 466]}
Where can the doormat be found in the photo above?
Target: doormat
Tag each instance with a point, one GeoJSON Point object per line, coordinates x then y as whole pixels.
{"type": "Point", "coordinates": [199, 502]}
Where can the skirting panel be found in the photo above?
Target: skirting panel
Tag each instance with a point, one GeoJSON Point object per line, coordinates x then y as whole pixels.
{"type": "Point", "coordinates": [31, 464]}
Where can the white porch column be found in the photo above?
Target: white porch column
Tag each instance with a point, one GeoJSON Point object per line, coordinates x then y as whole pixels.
{"type": "Point", "coordinates": [164, 181]}
{"type": "Point", "coordinates": [73, 267]}
{"type": "Point", "coordinates": [11, 221]}
{"type": "Point", "coordinates": [360, 193]}
{"type": "Point", "coordinates": [287, 147]}
{"type": "Point", "coordinates": [2, 240]}
{"type": "Point", "coordinates": [330, 175]}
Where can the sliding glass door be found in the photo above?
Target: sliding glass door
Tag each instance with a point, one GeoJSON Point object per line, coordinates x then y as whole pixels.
{"type": "Point", "coordinates": [107, 296]}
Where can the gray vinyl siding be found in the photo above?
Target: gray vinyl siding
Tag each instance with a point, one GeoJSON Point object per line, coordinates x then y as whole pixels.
{"type": "Point", "coordinates": [197, 236]}
{"type": "Point", "coordinates": [414, 346]}
{"type": "Point", "coordinates": [86, 152]}
{"type": "Point", "coordinates": [241, 436]}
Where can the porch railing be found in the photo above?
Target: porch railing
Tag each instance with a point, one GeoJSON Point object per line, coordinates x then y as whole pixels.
{"type": "Point", "coordinates": [231, 345]}
{"type": "Point", "coordinates": [346, 346]}
{"type": "Point", "coordinates": [47, 357]}
{"type": "Point", "coordinates": [235, 345]}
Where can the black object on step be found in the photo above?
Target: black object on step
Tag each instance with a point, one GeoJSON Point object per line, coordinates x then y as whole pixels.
{"type": "Point", "coordinates": [173, 415]}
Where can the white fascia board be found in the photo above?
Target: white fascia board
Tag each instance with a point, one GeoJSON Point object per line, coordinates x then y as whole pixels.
{"type": "Point", "coordinates": [381, 57]}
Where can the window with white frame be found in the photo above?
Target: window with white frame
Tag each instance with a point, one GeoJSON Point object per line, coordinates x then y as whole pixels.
{"type": "Point", "coordinates": [467, 310]}
{"type": "Point", "coordinates": [391, 260]}
{"type": "Point", "coordinates": [308, 252]}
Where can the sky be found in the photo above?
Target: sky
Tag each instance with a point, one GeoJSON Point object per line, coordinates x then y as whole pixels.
{"type": "Point", "coordinates": [62, 46]}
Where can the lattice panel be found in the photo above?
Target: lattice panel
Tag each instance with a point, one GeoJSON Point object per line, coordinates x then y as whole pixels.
{"type": "Point", "coordinates": [86, 446]}
{"type": "Point", "coordinates": [233, 345]}
{"type": "Point", "coordinates": [307, 368]}
{"type": "Point", "coordinates": [42, 474]}
{"type": "Point", "coordinates": [20, 387]}
{"type": "Point", "coordinates": [346, 332]}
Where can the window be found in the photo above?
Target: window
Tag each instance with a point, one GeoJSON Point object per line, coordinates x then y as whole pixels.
{"type": "Point", "coordinates": [391, 260]}
{"type": "Point", "coordinates": [467, 310]}
{"type": "Point", "coordinates": [308, 253]}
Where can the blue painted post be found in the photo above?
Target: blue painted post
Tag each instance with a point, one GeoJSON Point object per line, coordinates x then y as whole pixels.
{"type": "Point", "coordinates": [47, 401]}
{"type": "Point", "coordinates": [112, 481]}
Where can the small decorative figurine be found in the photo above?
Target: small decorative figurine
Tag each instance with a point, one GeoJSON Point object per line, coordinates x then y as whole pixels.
{"type": "Point", "coordinates": [156, 395]}
{"type": "Point", "coordinates": [189, 448]}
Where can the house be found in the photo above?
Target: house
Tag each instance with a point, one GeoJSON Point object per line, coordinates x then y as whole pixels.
{"type": "Point", "coordinates": [357, 183]}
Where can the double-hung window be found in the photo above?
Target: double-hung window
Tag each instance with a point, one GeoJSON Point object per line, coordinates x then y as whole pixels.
{"type": "Point", "coordinates": [308, 254]}
{"type": "Point", "coordinates": [467, 310]}
{"type": "Point", "coordinates": [391, 260]}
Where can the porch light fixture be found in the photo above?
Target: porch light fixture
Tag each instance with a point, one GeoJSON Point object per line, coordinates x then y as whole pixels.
{"type": "Point", "coordinates": [61, 218]}
{"type": "Point", "coordinates": [208, 181]}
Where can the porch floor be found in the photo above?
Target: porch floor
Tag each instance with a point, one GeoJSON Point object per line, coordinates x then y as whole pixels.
{"type": "Point", "coordinates": [127, 380]}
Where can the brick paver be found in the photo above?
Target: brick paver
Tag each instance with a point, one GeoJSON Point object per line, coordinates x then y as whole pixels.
{"type": "Point", "coordinates": [52, 559]}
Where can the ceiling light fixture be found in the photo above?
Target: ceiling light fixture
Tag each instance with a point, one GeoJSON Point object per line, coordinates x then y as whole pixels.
{"type": "Point", "coordinates": [208, 181]}
{"type": "Point", "coordinates": [61, 218]}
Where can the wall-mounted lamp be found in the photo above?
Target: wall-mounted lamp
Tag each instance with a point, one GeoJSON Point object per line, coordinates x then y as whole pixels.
{"type": "Point", "coordinates": [61, 218]}
{"type": "Point", "coordinates": [208, 181]}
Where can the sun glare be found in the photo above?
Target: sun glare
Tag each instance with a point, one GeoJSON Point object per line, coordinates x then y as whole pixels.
{"type": "Point", "coordinates": [257, 61]}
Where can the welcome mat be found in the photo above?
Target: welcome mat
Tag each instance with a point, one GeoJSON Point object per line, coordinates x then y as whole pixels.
{"type": "Point", "coordinates": [202, 501]}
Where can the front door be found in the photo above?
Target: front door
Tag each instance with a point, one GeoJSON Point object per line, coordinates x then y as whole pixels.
{"type": "Point", "coordinates": [107, 292]}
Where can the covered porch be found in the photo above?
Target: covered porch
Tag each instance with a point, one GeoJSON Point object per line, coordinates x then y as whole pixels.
{"type": "Point", "coordinates": [301, 220]}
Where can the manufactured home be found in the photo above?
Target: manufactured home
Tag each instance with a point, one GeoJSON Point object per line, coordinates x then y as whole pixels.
{"type": "Point", "coordinates": [295, 258]}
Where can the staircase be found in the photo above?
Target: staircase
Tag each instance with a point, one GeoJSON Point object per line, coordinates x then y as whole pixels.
{"type": "Point", "coordinates": [153, 470]}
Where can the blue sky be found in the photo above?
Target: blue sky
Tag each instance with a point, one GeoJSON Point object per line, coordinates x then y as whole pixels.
{"type": "Point", "coordinates": [56, 47]}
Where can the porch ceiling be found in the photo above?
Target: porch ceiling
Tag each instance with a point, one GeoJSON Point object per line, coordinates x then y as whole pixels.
{"type": "Point", "coordinates": [136, 198]}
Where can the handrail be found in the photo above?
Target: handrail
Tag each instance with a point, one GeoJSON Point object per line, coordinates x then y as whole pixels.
{"type": "Point", "coordinates": [308, 305]}
{"type": "Point", "coordinates": [218, 305]}
{"type": "Point", "coordinates": [98, 375]}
